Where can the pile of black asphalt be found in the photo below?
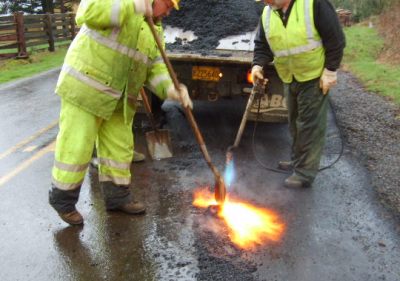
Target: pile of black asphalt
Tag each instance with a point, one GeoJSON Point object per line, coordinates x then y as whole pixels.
{"type": "Point", "coordinates": [371, 127]}
{"type": "Point", "coordinates": [212, 20]}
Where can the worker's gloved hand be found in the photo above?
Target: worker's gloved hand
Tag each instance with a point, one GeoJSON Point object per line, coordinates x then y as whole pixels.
{"type": "Point", "coordinates": [143, 7]}
{"type": "Point", "coordinates": [180, 95]}
{"type": "Point", "coordinates": [257, 75]}
{"type": "Point", "coordinates": [327, 80]}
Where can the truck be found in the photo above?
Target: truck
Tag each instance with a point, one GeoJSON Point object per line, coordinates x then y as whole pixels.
{"type": "Point", "coordinates": [222, 72]}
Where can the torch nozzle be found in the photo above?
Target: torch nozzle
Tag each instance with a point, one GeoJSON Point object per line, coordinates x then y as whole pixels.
{"type": "Point", "coordinates": [229, 154]}
{"type": "Point", "coordinates": [229, 157]}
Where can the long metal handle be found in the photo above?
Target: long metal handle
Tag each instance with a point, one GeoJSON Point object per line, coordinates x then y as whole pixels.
{"type": "Point", "coordinates": [244, 118]}
{"type": "Point", "coordinates": [188, 111]}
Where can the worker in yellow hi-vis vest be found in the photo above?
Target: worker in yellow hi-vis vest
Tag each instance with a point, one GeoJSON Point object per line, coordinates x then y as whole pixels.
{"type": "Point", "coordinates": [112, 57]}
{"type": "Point", "coordinates": [305, 41]}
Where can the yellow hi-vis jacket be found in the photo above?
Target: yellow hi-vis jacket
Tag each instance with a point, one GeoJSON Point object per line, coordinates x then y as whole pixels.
{"type": "Point", "coordinates": [113, 56]}
{"type": "Point", "coordinates": [297, 48]}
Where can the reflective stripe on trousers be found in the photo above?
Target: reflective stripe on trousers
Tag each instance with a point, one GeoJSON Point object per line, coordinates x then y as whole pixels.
{"type": "Point", "coordinates": [79, 131]}
{"type": "Point", "coordinates": [307, 108]}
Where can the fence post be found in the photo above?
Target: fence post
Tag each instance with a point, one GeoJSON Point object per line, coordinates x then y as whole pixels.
{"type": "Point", "coordinates": [73, 27]}
{"type": "Point", "coordinates": [64, 26]}
{"type": "Point", "coordinates": [49, 32]}
{"type": "Point", "coordinates": [19, 20]}
{"type": "Point", "coordinates": [62, 7]}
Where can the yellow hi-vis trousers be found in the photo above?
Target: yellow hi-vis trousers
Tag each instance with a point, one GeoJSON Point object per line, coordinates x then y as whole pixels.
{"type": "Point", "coordinates": [79, 132]}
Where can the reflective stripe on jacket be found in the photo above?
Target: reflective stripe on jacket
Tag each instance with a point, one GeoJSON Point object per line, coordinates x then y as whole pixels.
{"type": "Point", "coordinates": [114, 54]}
{"type": "Point", "coordinates": [297, 48]}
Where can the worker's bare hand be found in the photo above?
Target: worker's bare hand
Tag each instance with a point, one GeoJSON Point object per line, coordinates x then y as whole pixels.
{"type": "Point", "coordinates": [328, 80]}
{"type": "Point", "coordinates": [181, 95]}
{"type": "Point", "coordinates": [257, 75]}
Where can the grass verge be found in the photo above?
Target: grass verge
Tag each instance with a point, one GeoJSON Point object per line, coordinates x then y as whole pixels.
{"type": "Point", "coordinates": [37, 62]}
{"type": "Point", "coordinates": [361, 58]}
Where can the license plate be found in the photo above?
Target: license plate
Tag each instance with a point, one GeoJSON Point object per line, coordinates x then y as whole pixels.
{"type": "Point", "coordinates": [206, 73]}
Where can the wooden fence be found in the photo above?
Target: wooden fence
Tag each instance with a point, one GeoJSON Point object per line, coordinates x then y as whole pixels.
{"type": "Point", "coordinates": [17, 32]}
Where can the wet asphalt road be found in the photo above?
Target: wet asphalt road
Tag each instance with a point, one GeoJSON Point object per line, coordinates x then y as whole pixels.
{"type": "Point", "coordinates": [335, 230]}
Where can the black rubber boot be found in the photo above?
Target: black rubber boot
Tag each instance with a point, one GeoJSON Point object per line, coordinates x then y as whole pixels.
{"type": "Point", "coordinates": [64, 201]}
{"type": "Point", "coordinates": [118, 198]}
{"type": "Point", "coordinates": [115, 195]}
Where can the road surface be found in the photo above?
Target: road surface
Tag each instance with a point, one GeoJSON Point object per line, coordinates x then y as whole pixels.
{"type": "Point", "coordinates": [336, 230]}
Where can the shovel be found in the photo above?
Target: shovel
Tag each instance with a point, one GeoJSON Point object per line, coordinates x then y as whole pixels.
{"type": "Point", "coordinates": [219, 187]}
{"type": "Point", "coordinates": [158, 141]}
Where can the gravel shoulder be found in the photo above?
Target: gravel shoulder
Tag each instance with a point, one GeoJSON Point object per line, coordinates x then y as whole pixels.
{"type": "Point", "coordinates": [370, 125]}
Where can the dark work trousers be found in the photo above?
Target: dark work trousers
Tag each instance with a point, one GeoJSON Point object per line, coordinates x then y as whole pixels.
{"type": "Point", "coordinates": [308, 109]}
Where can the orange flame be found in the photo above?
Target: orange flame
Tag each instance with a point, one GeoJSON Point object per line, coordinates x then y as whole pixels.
{"type": "Point", "coordinates": [249, 225]}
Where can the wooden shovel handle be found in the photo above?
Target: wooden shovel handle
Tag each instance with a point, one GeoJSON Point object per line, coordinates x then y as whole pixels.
{"type": "Point", "coordinates": [188, 111]}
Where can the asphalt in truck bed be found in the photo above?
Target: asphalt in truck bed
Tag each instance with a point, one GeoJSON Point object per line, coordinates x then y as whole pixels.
{"type": "Point", "coordinates": [213, 20]}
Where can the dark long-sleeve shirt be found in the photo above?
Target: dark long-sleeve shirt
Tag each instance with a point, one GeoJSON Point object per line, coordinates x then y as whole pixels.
{"type": "Point", "coordinates": [328, 26]}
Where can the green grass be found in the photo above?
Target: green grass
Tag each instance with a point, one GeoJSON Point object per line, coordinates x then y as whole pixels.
{"type": "Point", "coordinates": [361, 58]}
{"type": "Point", "coordinates": [33, 49]}
{"type": "Point", "coordinates": [8, 51]}
{"type": "Point", "coordinates": [38, 62]}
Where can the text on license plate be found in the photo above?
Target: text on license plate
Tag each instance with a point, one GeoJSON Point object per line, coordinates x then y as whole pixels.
{"type": "Point", "coordinates": [206, 73]}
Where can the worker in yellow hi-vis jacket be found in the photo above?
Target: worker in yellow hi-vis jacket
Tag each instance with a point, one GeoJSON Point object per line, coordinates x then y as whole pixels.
{"type": "Point", "coordinates": [111, 58]}
{"type": "Point", "coordinates": [304, 40]}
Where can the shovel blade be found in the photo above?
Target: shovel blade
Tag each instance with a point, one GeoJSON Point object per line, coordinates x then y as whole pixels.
{"type": "Point", "coordinates": [159, 144]}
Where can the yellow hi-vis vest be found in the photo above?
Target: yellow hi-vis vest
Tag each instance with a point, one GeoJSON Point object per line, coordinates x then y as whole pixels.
{"type": "Point", "coordinates": [297, 48]}
{"type": "Point", "coordinates": [112, 57]}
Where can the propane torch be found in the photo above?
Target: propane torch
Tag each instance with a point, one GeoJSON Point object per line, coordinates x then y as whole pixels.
{"type": "Point", "coordinates": [258, 88]}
